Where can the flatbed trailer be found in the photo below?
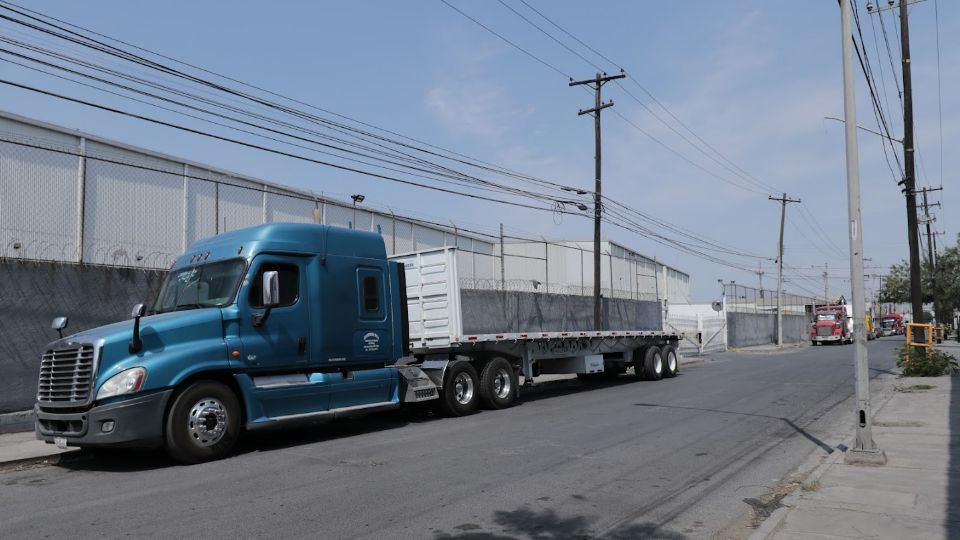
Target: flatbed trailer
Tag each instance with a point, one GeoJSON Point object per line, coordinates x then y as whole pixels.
{"type": "Point", "coordinates": [437, 341]}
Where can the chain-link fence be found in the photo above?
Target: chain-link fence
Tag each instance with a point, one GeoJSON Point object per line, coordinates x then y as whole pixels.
{"type": "Point", "coordinates": [744, 299]}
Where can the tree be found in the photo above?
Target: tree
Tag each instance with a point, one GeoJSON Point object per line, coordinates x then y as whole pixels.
{"type": "Point", "coordinates": [896, 284]}
{"type": "Point", "coordinates": [948, 282]}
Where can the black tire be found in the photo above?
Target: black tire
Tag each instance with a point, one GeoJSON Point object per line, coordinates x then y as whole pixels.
{"type": "Point", "coordinates": [460, 395]}
{"type": "Point", "coordinates": [671, 361]}
{"type": "Point", "coordinates": [498, 384]}
{"type": "Point", "coordinates": [814, 343]}
{"type": "Point", "coordinates": [638, 355]}
{"type": "Point", "coordinates": [652, 364]}
{"type": "Point", "coordinates": [203, 423]}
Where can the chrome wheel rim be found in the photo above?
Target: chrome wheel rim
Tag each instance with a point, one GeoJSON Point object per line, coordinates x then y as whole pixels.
{"type": "Point", "coordinates": [207, 421]}
{"type": "Point", "coordinates": [502, 383]}
{"type": "Point", "coordinates": [463, 388]}
{"type": "Point", "coordinates": [658, 363]}
{"type": "Point", "coordinates": [672, 361]}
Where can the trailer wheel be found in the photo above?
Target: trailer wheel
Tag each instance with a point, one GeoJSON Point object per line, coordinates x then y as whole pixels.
{"type": "Point", "coordinates": [498, 384]}
{"type": "Point", "coordinates": [203, 423]}
{"type": "Point", "coordinates": [460, 390]}
{"type": "Point", "coordinates": [653, 363]}
{"type": "Point", "coordinates": [671, 363]}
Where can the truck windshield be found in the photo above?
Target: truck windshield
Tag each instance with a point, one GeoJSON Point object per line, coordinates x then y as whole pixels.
{"type": "Point", "coordinates": [826, 317]}
{"type": "Point", "coordinates": [206, 285]}
{"type": "Point", "coordinates": [888, 323]}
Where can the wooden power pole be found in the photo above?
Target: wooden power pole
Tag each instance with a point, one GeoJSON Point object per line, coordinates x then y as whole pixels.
{"type": "Point", "coordinates": [909, 175]}
{"type": "Point", "coordinates": [597, 83]}
{"type": "Point", "coordinates": [783, 216]}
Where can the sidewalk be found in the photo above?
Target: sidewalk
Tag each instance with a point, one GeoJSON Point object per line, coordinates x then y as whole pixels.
{"type": "Point", "coordinates": [22, 449]}
{"type": "Point", "coordinates": [915, 495]}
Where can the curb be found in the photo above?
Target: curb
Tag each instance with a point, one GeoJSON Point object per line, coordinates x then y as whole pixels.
{"type": "Point", "coordinates": [40, 461]}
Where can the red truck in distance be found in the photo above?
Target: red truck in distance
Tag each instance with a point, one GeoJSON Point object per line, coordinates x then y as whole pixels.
{"type": "Point", "coordinates": [891, 324]}
{"type": "Point", "coordinates": [832, 324]}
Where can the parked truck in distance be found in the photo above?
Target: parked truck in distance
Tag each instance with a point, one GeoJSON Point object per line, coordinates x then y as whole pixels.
{"type": "Point", "coordinates": [284, 322]}
{"type": "Point", "coordinates": [891, 324]}
{"type": "Point", "coordinates": [832, 324]}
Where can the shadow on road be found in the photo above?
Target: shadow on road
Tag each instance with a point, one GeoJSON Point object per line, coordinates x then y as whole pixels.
{"type": "Point", "coordinates": [291, 435]}
{"type": "Point", "coordinates": [525, 523]}
{"type": "Point", "coordinates": [826, 447]}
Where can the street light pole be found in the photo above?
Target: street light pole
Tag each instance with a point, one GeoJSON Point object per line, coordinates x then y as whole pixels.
{"type": "Point", "coordinates": [357, 198]}
{"type": "Point", "coordinates": [865, 450]}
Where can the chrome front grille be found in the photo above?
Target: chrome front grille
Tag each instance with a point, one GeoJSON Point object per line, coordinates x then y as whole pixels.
{"type": "Point", "coordinates": [824, 331]}
{"type": "Point", "coordinates": [66, 375]}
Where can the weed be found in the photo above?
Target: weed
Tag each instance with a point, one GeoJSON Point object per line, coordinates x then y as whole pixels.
{"type": "Point", "coordinates": [923, 362]}
{"type": "Point", "coordinates": [813, 485]}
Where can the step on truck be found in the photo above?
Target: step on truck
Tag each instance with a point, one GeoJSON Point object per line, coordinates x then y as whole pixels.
{"type": "Point", "coordinates": [283, 322]}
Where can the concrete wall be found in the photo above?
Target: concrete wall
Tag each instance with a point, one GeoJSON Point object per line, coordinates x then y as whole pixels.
{"type": "Point", "coordinates": [748, 329]}
{"type": "Point", "coordinates": [33, 293]}
{"type": "Point", "coordinates": [488, 312]}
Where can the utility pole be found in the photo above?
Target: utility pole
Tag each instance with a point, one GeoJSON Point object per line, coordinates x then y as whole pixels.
{"type": "Point", "coordinates": [597, 83]}
{"type": "Point", "coordinates": [864, 449]}
{"type": "Point", "coordinates": [931, 253]}
{"type": "Point", "coordinates": [783, 216]}
{"type": "Point", "coordinates": [760, 274]}
{"type": "Point", "coordinates": [909, 179]}
{"type": "Point", "coordinates": [826, 277]}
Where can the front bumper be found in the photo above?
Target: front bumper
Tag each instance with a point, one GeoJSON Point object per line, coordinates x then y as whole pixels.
{"type": "Point", "coordinates": [827, 338]}
{"type": "Point", "coordinates": [136, 422]}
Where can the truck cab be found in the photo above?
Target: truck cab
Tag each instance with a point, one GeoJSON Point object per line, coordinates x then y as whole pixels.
{"type": "Point", "coordinates": [832, 324]}
{"type": "Point", "coordinates": [249, 328]}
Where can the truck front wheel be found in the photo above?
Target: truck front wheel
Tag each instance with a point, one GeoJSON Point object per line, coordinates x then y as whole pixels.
{"type": "Point", "coordinates": [498, 384]}
{"type": "Point", "coordinates": [203, 423]}
{"type": "Point", "coordinates": [460, 395]}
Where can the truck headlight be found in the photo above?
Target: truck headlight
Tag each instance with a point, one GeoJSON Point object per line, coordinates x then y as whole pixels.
{"type": "Point", "coordinates": [125, 382]}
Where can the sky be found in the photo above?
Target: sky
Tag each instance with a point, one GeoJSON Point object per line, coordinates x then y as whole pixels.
{"type": "Point", "coordinates": [754, 79]}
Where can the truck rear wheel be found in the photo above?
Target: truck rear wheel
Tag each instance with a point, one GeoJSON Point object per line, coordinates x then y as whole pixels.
{"type": "Point", "coordinates": [653, 363]}
{"type": "Point", "coordinates": [498, 384]}
{"type": "Point", "coordinates": [460, 395]}
{"type": "Point", "coordinates": [203, 423]}
{"type": "Point", "coordinates": [671, 363]}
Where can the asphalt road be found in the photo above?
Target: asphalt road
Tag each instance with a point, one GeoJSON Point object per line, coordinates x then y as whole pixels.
{"type": "Point", "coordinates": [669, 459]}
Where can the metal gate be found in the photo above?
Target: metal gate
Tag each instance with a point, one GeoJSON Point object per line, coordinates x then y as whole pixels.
{"type": "Point", "coordinates": [701, 334]}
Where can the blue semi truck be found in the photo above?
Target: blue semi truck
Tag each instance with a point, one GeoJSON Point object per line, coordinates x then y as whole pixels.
{"type": "Point", "coordinates": [285, 322]}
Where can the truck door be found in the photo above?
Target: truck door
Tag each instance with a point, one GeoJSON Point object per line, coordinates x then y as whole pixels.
{"type": "Point", "coordinates": [281, 342]}
{"type": "Point", "coordinates": [369, 342]}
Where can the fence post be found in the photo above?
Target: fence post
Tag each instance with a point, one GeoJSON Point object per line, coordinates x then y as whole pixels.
{"type": "Point", "coordinates": [81, 195]}
{"type": "Point", "coordinates": [503, 257]}
{"type": "Point", "coordinates": [546, 267]}
{"type": "Point", "coordinates": [183, 239]}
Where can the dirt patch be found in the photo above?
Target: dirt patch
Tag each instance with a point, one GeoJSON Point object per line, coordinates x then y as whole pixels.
{"type": "Point", "coordinates": [914, 388]}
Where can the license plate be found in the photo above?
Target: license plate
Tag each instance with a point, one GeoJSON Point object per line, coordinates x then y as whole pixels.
{"type": "Point", "coordinates": [61, 442]}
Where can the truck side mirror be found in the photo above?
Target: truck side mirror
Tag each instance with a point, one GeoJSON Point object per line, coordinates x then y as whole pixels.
{"type": "Point", "coordinates": [271, 296]}
{"type": "Point", "coordinates": [271, 289]}
{"type": "Point", "coordinates": [59, 324]}
{"type": "Point", "coordinates": [135, 343]}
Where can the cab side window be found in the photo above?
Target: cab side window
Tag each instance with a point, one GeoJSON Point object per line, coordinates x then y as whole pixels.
{"type": "Point", "coordinates": [370, 293]}
{"type": "Point", "coordinates": [289, 276]}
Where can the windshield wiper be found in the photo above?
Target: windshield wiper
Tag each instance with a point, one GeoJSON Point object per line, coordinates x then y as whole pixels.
{"type": "Point", "coordinates": [186, 306]}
